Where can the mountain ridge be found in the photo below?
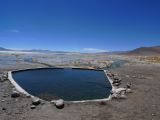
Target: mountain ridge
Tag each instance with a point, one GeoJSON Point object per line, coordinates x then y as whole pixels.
{"type": "Point", "coordinates": [141, 51]}
{"type": "Point", "coordinates": [145, 51]}
{"type": "Point", "coordinates": [3, 49]}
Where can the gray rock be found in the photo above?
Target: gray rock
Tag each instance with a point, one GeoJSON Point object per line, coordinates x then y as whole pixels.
{"type": "Point", "coordinates": [5, 96]}
{"type": "Point", "coordinates": [116, 78]}
{"type": "Point", "coordinates": [128, 85]}
{"type": "Point", "coordinates": [111, 92]}
{"type": "Point", "coordinates": [110, 74]}
{"type": "Point", "coordinates": [119, 93]}
{"type": "Point", "coordinates": [123, 96]}
{"type": "Point", "coordinates": [128, 90]}
{"type": "Point", "coordinates": [115, 96]}
{"type": "Point", "coordinates": [33, 106]}
{"type": "Point", "coordinates": [3, 108]}
{"type": "Point", "coordinates": [119, 90]}
{"type": "Point", "coordinates": [59, 103]}
{"type": "Point", "coordinates": [42, 102]}
{"type": "Point", "coordinates": [134, 76]}
{"type": "Point", "coordinates": [15, 94]}
{"type": "Point", "coordinates": [123, 92]}
{"type": "Point", "coordinates": [153, 114]}
{"type": "Point", "coordinates": [116, 84]}
{"type": "Point", "coordinates": [2, 79]}
{"type": "Point", "coordinates": [127, 76]}
{"type": "Point", "coordinates": [13, 89]}
{"type": "Point", "coordinates": [28, 96]}
{"type": "Point", "coordinates": [52, 101]}
{"type": "Point", "coordinates": [36, 101]}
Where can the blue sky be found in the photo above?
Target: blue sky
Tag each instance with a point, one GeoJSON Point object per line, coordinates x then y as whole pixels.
{"type": "Point", "coordinates": [79, 25]}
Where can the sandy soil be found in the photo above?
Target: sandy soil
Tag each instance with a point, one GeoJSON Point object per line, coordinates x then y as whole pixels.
{"type": "Point", "coordinates": [142, 104]}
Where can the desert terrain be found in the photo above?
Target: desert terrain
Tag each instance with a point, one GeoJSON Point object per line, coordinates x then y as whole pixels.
{"type": "Point", "coordinates": [142, 72]}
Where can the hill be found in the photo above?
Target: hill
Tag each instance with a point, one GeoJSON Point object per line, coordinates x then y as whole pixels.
{"type": "Point", "coordinates": [145, 51]}
{"type": "Point", "coordinates": [3, 49]}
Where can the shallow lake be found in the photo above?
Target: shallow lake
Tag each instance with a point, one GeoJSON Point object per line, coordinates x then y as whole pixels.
{"type": "Point", "coordinates": [68, 84]}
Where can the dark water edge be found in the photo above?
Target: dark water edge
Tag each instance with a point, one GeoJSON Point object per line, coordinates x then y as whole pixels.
{"type": "Point", "coordinates": [68, 84]}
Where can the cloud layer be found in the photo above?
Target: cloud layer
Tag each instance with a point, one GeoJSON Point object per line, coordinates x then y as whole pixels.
{"type": "Point", "coordinates": [94, 50]}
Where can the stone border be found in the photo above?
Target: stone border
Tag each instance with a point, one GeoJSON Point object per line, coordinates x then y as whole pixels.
{"type": "Point", "coordinates": [17, 86]}
{"type": "Point", "coordinates": [21, 90]}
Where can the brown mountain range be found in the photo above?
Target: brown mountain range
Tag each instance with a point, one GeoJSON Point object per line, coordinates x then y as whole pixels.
{"type": "Point", "coordinates": [145, 51]}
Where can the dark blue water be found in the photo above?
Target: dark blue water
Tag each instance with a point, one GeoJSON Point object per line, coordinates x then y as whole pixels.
{"type": "Point", "coordinates": [68, 84]}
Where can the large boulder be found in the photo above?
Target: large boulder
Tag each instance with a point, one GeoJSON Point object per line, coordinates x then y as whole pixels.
{"type": "Point", "coordinates": [36, 101]}
{"type": "Point", "coordinates": [15, 94]}
{"type": "Point", "coordinates": [59, 103]}
{"type": "Point", "coordinates": [119, 90]}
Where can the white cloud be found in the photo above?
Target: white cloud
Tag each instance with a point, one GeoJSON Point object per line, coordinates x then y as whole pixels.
{"type": "Point", "coordinates": [14, 31]}
{"type": "Point", "coordinates": [94, 50]}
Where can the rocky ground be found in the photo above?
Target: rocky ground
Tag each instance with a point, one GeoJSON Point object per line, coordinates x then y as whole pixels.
{"type": "Point", "coordinates": [142, 104]}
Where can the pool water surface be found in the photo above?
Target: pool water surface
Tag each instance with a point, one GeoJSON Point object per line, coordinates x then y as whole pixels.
{"type": "Point", "coordinates": [68, 84]}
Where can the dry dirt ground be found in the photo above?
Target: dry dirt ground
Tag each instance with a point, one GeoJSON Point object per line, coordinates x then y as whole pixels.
{"type": "Point", "coordinates": [142, 104]}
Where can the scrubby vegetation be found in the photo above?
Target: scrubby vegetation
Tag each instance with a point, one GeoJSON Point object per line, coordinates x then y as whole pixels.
{"type": "Point", "coordinates": [153, 59]}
